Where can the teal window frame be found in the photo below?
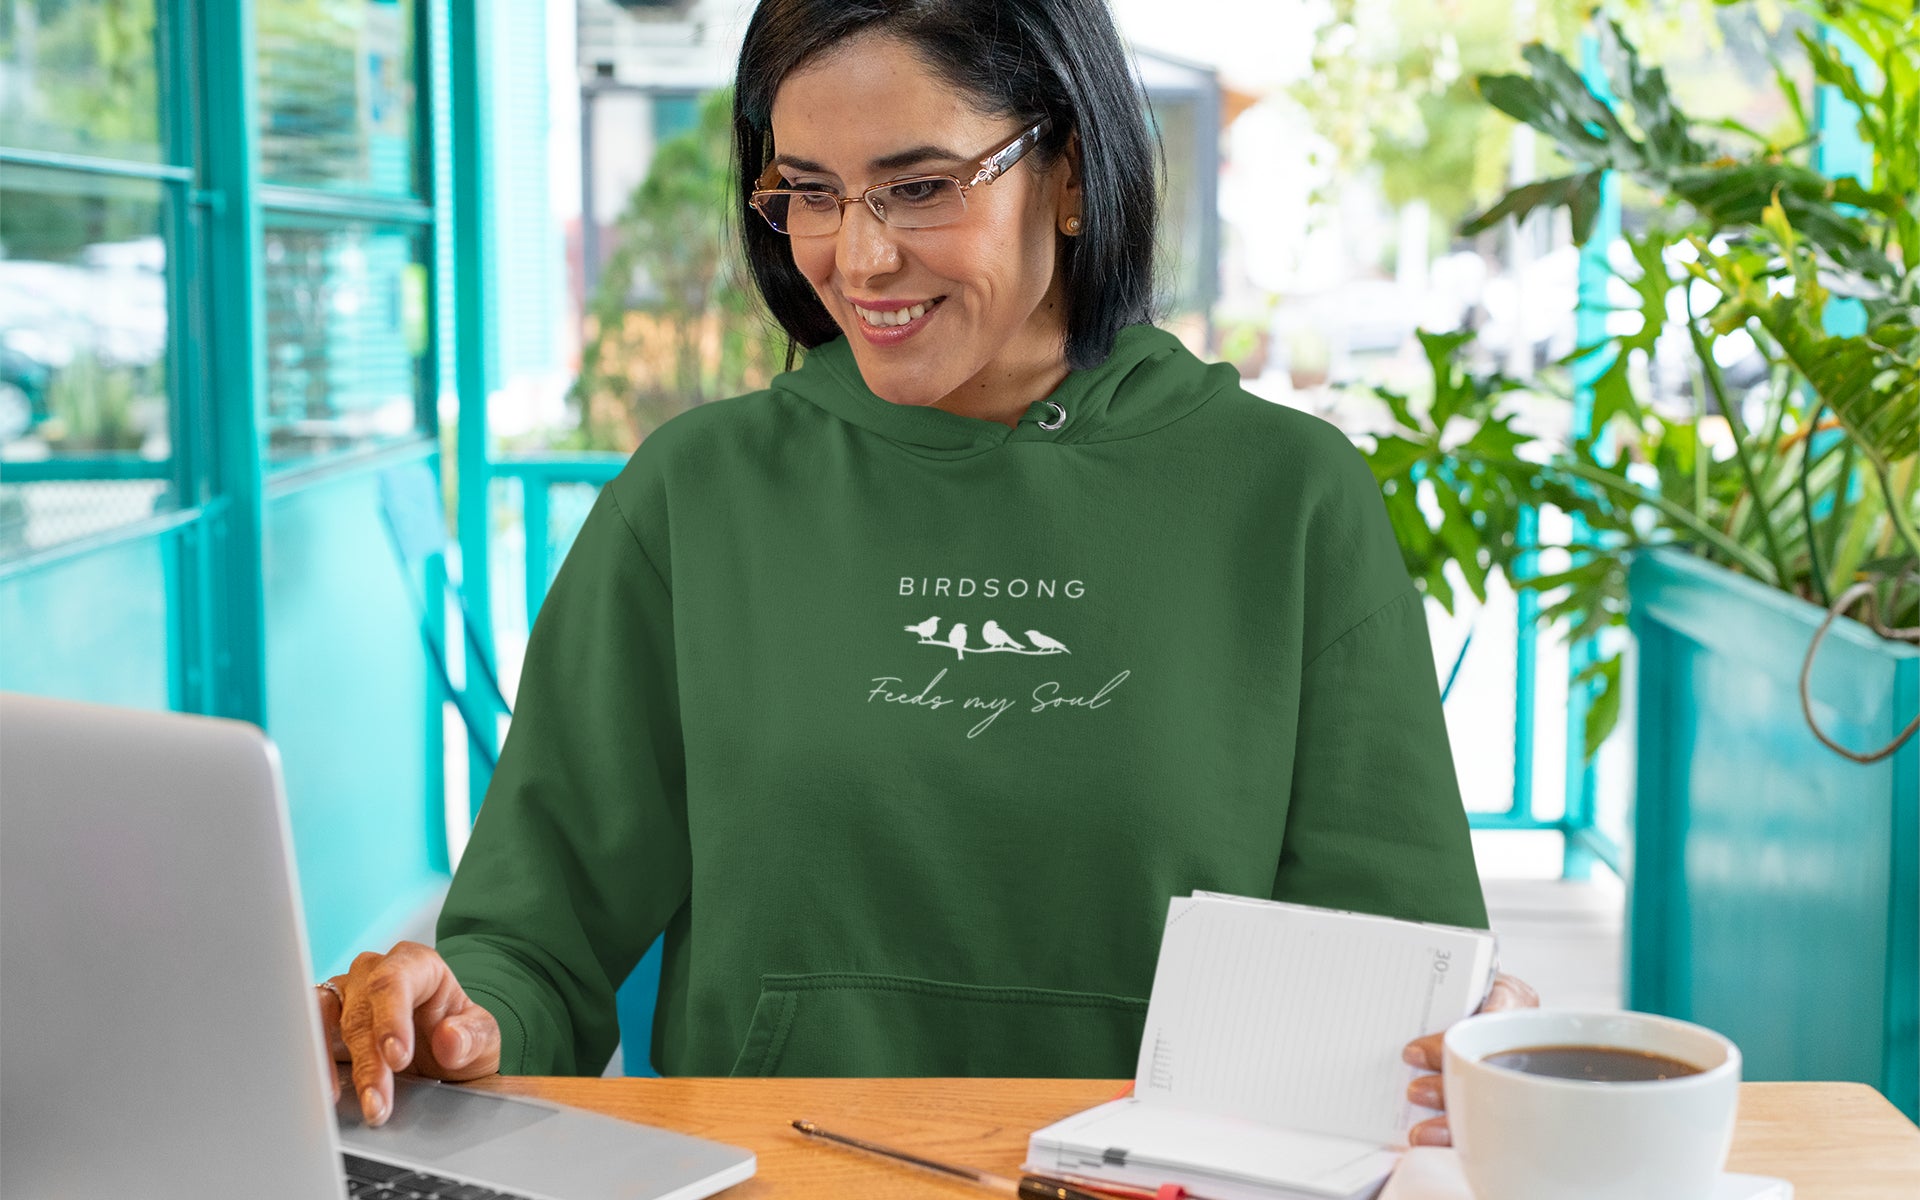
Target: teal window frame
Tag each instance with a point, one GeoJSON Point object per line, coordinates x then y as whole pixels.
{"type": "Point", "coordinates": [216, 203]}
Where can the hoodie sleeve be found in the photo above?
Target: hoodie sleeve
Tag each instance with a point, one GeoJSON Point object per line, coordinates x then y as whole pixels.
{"type": "Point", "coordinates": [580, 853]}
{"type": "Point", "coordinates": [1375, 821]}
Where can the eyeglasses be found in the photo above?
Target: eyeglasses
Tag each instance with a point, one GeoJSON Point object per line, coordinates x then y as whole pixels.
{"type": "Point", "coordinates": [921, 202]}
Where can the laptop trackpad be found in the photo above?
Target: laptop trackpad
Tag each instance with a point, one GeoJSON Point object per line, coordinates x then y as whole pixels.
{"type": "Point", "coordinates": [431, 1121]}
{"type": "Point", "coordinates": [516, 1144]}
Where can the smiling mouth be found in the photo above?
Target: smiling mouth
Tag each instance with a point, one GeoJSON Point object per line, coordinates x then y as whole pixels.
{"type": "Point", "coordinates": [887, 318]}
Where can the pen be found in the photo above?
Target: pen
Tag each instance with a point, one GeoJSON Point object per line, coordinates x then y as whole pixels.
{"type": "Point", "coordinates": [1027, 1187]}
{"type": "Point", "coordinates": [1122, 1191]}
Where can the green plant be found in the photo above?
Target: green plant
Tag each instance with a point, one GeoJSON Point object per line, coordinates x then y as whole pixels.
{"type": "Point", "coordinates": [1806, 476]}
{"type": "Point", "coordinates": [1462, 485]}
{"type": "Point", "coordinates": [1392, 91]}
{"type": "Point", "coordinates": [673, 323]}
{"type": "Point", "coordinates": [94, 405]}
{"type": "Point", "coordinates": [1479, 485]}
{"type": "Point", "coordinates": [92, 67]}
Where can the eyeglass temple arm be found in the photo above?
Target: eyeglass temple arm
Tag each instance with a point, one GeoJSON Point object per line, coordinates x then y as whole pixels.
{"type": "Point", "coordinates": [997, 165]}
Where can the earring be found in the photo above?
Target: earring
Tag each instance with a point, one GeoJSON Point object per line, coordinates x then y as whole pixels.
{"type": "Point", "coordinates": [1073, 225]}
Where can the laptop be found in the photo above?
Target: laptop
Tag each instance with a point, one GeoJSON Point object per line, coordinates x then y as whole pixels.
{"type": "Point", "coordinates": [159, 1034]}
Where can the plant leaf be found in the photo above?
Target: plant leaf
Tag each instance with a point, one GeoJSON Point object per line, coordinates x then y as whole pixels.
{"type": "Point", "coordinates": [1603, 706]}
{"type": "Point", "coordinates": [1395, 456]}
{"type": "Point", "coordinates": [1546, 193]}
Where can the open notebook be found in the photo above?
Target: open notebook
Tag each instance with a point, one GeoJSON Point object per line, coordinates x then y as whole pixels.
{"type": "Point", "coordinates": [1270, 1065]}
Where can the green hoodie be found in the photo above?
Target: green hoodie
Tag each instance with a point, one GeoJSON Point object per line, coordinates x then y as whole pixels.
{"type": "Point", "coordinates": [904, 726]}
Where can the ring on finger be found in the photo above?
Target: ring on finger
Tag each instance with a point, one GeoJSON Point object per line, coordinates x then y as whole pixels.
{"type": "Point", "coordinates": [328, 985]}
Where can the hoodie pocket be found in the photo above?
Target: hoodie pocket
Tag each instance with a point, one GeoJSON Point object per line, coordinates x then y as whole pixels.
{"type": "Point", "coordinates": [890, 1025]}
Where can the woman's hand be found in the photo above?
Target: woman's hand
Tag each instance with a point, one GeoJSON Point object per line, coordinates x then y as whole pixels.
{"type": "Point", "coordinates": [1425, 1090]}
{"type": "Point", "coordinates": [403, 1010]}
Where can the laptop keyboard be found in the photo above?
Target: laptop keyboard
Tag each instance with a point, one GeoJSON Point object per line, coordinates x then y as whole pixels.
{"type": "Point", "coordinates": [382, 1181]}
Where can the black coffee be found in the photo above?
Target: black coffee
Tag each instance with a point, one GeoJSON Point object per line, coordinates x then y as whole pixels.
{"type": "Point", "coordinates": [1599, 1064]}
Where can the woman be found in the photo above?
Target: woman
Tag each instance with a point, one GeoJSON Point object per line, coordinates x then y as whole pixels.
{"type": "Point", "coordinates": [903, 695]}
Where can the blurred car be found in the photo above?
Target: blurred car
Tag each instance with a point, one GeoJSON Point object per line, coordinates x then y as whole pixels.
{"type": "Point", "coordinates": [109, 308]}
{"type": "Point", "coordinates": [23, 391]}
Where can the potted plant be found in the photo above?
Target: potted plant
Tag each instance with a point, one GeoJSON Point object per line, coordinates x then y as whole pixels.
{"type": "Point", "coordinates": [1775, 864]}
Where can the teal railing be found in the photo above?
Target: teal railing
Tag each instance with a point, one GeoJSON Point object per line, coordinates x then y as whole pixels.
{"type": "Point", "coordinates": [538, 476]}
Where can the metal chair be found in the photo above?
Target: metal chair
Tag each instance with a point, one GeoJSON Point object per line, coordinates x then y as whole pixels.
{"type": "Point", "coordinates": [416, 522]}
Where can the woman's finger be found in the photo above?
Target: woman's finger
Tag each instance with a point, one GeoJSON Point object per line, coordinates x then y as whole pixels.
{"type": "Point", "coordinates": [1509, 992]}
{"type": "Point", "coordinates": [330, 1033]}
{"type": "Point", "coordinates": [1424, 1052]}
{"type": "Point", "coordinates": [1432, 1132]}
{"type": "Point", "coordinates": [378, 1021]}
{"type": "Point", "coordinates": [1425, 1090]}
{"type": "Point", "coordinates": [403, 982]}
{"type": "Point", "coordinates": [330, 1005]}
{"type": "Point", "coordinates": [465, 1045]}
{"type": "Point", "coordinates": [470, 1045]}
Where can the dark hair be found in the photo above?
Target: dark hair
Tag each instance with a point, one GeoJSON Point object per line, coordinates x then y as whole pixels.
{"type": "Point", "coordinates": [1025, 59]}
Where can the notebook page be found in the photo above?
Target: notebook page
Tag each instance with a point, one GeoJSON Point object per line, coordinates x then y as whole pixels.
{"type": "Point", "coordinates": [1296, 1016]}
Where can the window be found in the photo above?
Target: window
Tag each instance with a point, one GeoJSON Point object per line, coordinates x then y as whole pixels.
{"type": "Point", "coordinates": [81, 77]}
{"type": "Point", "coordinates": [346, 333]}
{"type": "Point", "coordinates": [338, 80]}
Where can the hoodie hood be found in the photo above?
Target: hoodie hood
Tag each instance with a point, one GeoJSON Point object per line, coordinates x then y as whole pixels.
{"type": "Point", "coordinates": [1149, 380]}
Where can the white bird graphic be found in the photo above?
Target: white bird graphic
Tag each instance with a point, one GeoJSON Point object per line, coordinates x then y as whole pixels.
{"type": "Point", "coordinates": [958, 639]}
{"type": "Point", "coordinates": [997, 636]}
{"type": "Point", "coordinates": [1044, 642]}
{"type": "Point", "coordinates": [925, 628]}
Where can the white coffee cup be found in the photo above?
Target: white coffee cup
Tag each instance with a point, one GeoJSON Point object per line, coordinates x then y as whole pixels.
{"type": "Point", "coordinates": [1534, 1137]}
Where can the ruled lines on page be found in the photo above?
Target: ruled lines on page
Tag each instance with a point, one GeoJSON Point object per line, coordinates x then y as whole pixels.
{"type": "Point", "coordinates": [1296, 1016]}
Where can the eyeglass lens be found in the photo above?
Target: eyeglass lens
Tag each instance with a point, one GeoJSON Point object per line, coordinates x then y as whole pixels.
{"type": "Point", "coordinates": [909, 204]}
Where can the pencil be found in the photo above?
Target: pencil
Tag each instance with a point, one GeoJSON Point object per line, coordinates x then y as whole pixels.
{"type": "Point", "coordinates": [1027, 1187]}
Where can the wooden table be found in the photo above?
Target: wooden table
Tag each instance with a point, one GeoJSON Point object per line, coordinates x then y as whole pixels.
{"type": "Point", "coordinates": [1835, 1141]}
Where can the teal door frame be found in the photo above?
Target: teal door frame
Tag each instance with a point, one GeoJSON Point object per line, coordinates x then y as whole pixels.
{"type": "Point", "coordinates": [229, 567]}
{"type": "Point", "coordinates": [477, 365]}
